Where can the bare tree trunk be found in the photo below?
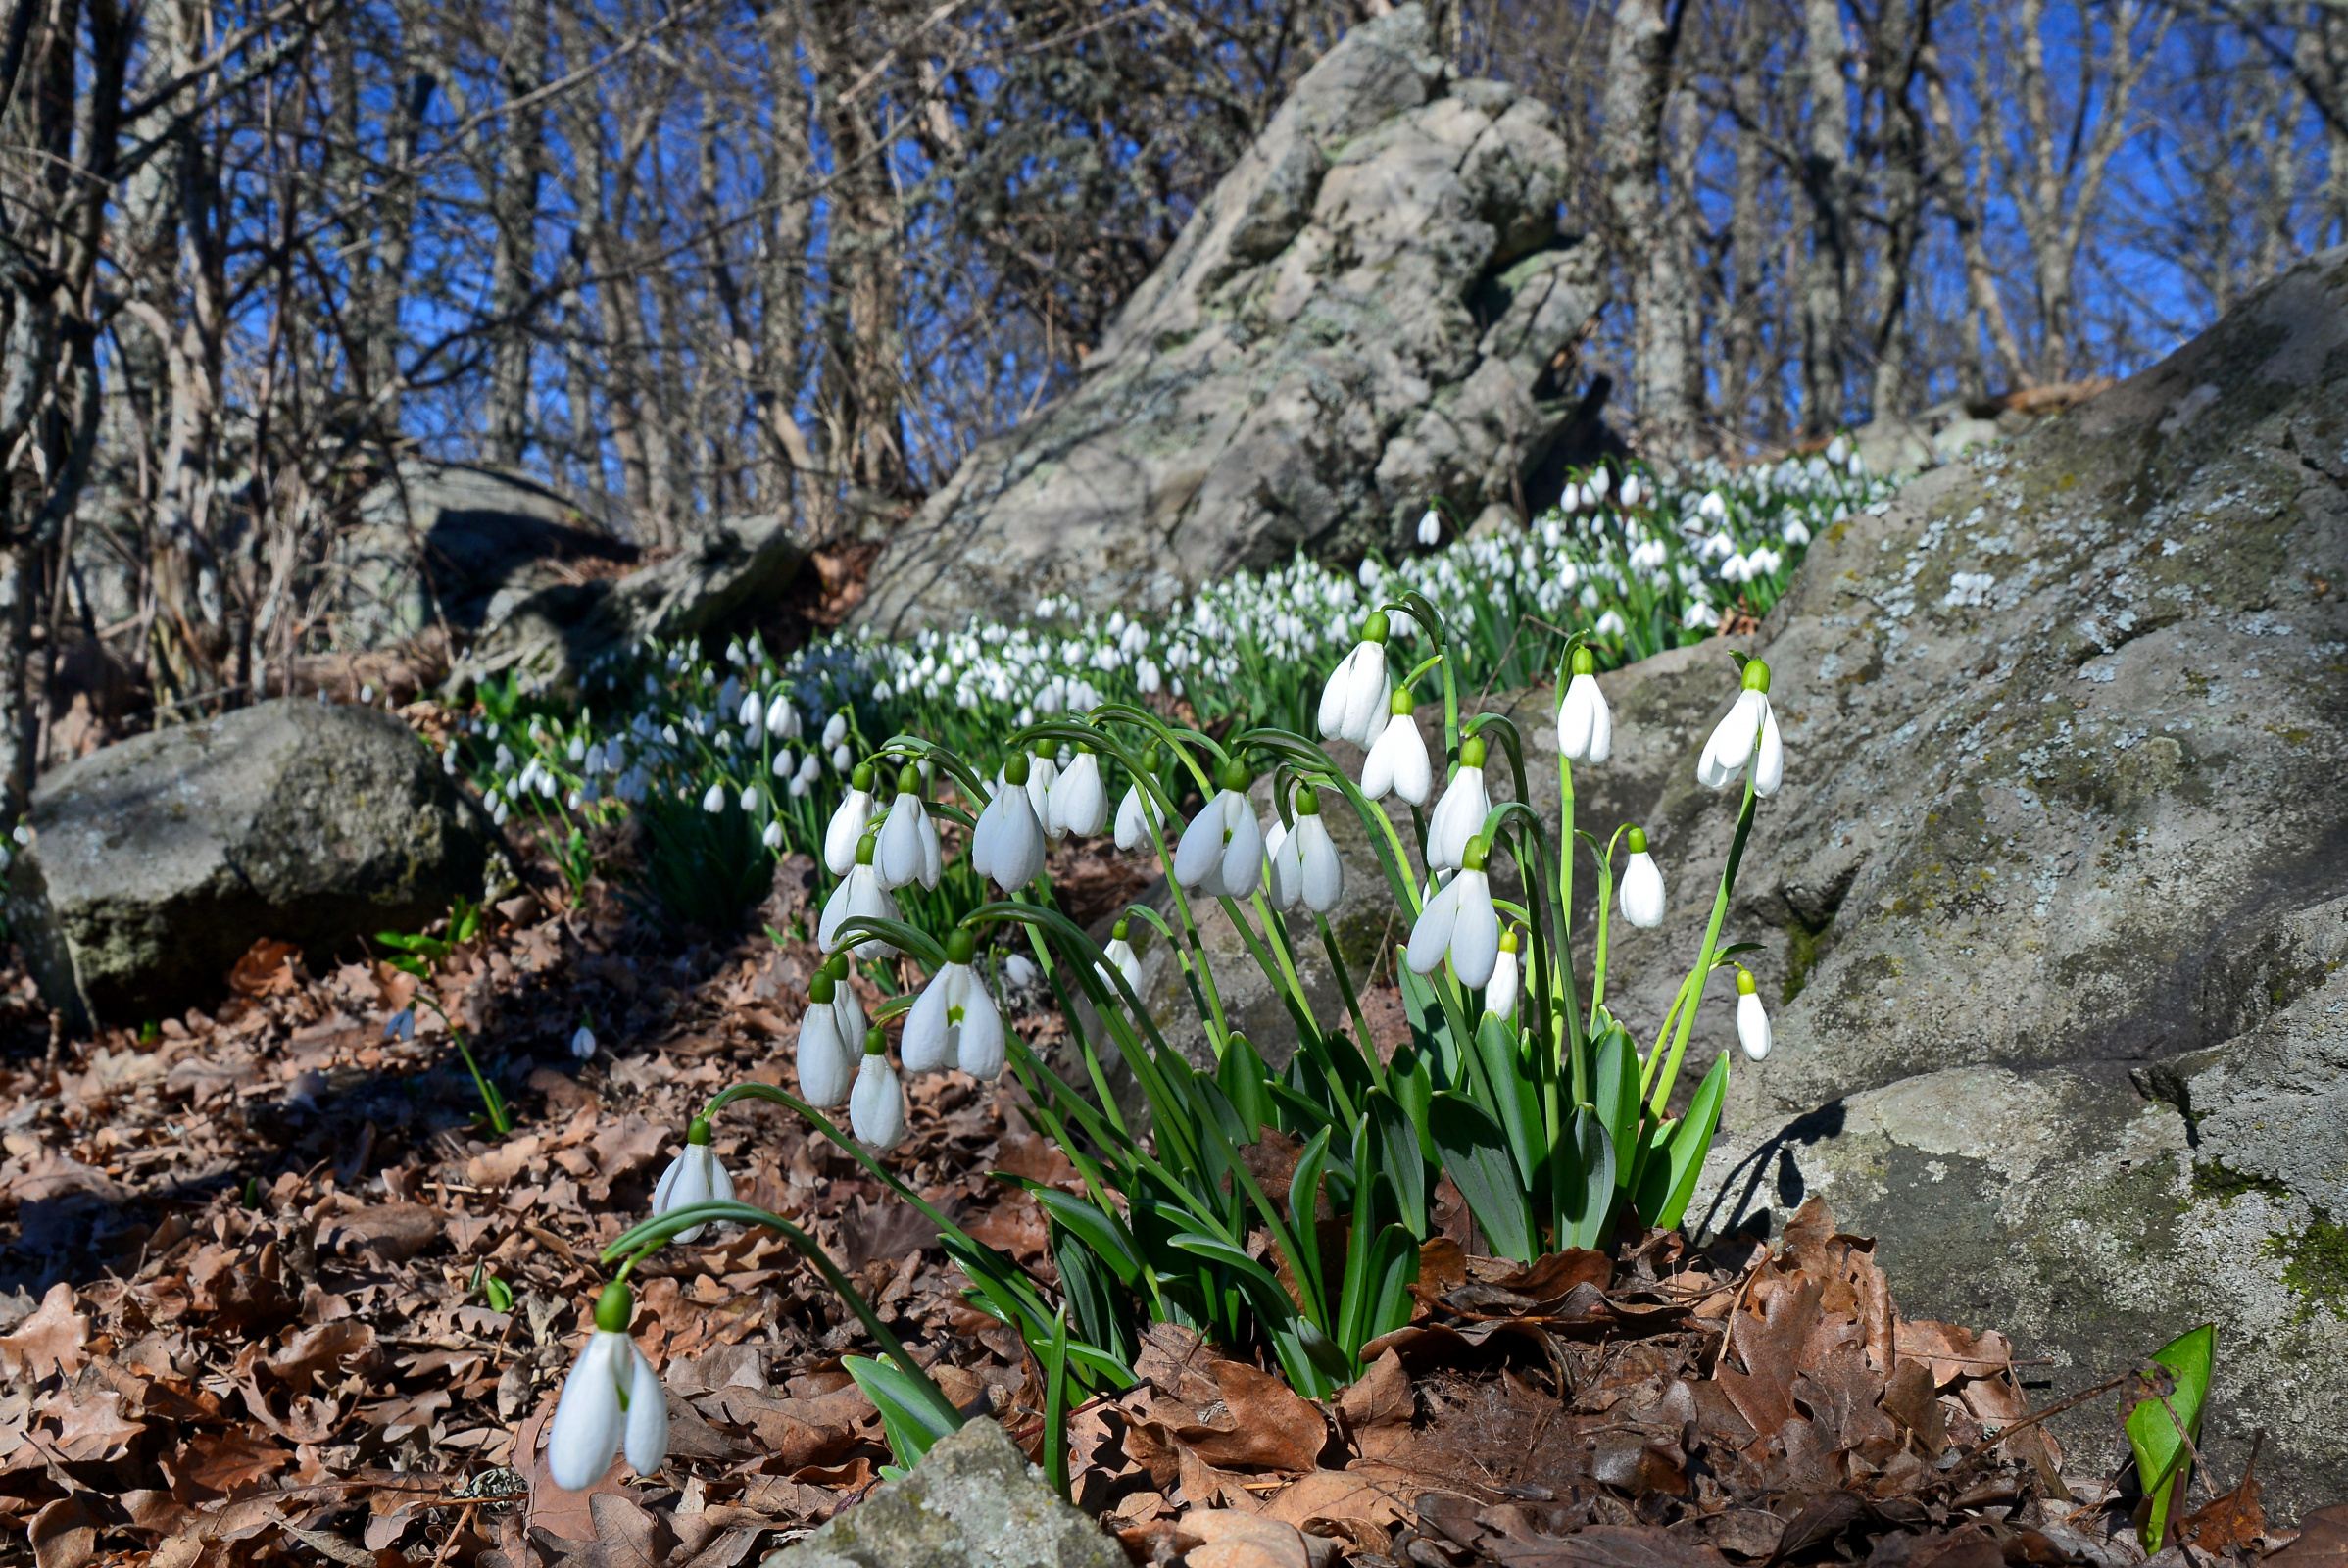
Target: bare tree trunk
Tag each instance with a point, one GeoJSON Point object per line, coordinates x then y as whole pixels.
{"type": "Point", "coordinates": [1639, 62]}
{"type": "Point", "coordinates": [1827, 178]}
{"type": "Point", "coordinates": [514, 208]}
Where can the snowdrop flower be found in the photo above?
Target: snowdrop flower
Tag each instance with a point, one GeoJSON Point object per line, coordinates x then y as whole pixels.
{"type": "Point", "coordinates": [1499, 992]}
{"type": "Point", "coordinates": [715, 801]}
{"type": "Point", "coordinates": [1122, 958]}
{"type": "Point", "coordinates": [782, 719]}
{"type": "Point", "coordinates": [836, 731]}
{"type": "Point", "coordinates": [1631, 490]}
{"type": "Point", "coordinates": [611, 1398]}
{"type": "Point", "coordinates": [1043, 773]}
{"type": "Point", "coordinates": [1222, 851]}
{"type": "Point", "coordinates": [773, 838]}
{"type": "Point", "coordinates": [1641, 891]}
{"type": "Point", "coordinates": [860, 894]}
{"type": "Point", "coordinates": [1713, 507]}
{"type": "Point", "coordinates": [1307, 867]}
{"type": "Point", "coordinates": [1610, 624]}
{"type": "Point", "coordinates": [401, 1025]}
{"type": "Point", "coordinates": [1397, 763]}
{"type": "Point", "coordinates": [1836, 450]}
{"type": "Point", "coordinates": [1752, 1023]}
{"type": "Point", "coordinates": [752, 717]}
{"type": "Point", "coordinates": [694, 1177]}
{"type": "Point", "coordinates": [1354, 701]}
{"type": "Point", "coordinates": [825, 1066]}
{"type": "Point", "coordinates": [850, 818]}
{"type": "Point", "coordinates": [810, 768]}
{"type": "Point", "coordinates": [1431, 529]}
{"type": "Point", "coordinates": [1749, 718]}
{"type": "Point", "coordinates": [1459, 924]}
{"type": "Point", "coordinates": [1079, 802]}
{"type": "Point", "coordinates": [908, 849]}
{"type": "Point", "coordinates": [582, 1043]}
{"type": "Point", "coordinates": [1007, 844]}
{"type": "Point", "coordinates": [1459, 815]}
{"type": "Point", "coordinates": [876, 1104]}
{"type": "Point", "coordinates": [954, 1021]}
{"type": "Point", "coordinates": [1134, 816]}
{"type": "Point", "coordinates": [1585, 724]}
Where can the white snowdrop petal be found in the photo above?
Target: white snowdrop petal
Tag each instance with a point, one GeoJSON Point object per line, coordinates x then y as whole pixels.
{"type": "Point", "coordinates": [647, 1415]}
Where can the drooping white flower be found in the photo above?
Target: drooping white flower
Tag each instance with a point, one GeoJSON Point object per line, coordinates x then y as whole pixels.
{"type": "Point", "coordinates": [611, 1399]}
{"type": "Point", "coordinates": [1585, 724]}
{"type": "Point", "coordinates": [1749, 718]}
{"type": "Point", "coordinates": [752, 717]}
{"type": "Point", "coordinates": [1631, 490]}
{"type": "Point", "coordinates": [827, 1066]}
{"type": "Point", "coordinates": [693, 1177]}
{"type": "Point", "coordinates": [401, 1025]}
{"type": "Point", "coordinates": [1599, 479]}
{"type": "Point", "coordinates": [773, 838]}
{"type": "Point", "coordinates": [850, 818]}
{"type": "Point", "coordinates": [1641, 891]}
{"type": "Point", "coordinates": [1459, 924]}
{"type": "Point", "coordinates": [836, 730]}
{"type": "Point", "coordinates": [715, 801]}
{"type": "Point", "coordinates": [782, 719]}
{"type": "Point", "coordinates": [1042, 774]}
{"type": "Point", "coordinates": [1752, 1021]}
{"type": "Point", "coordinates": [1459, 815]}
{"type": "Point", "coordinates": [1320, 874]}
{"type": "Point", "coordinates": [1610, 624]}
{"type": "Point", "coordinates": [876, 1104]}
{"type": "Point", "coordinates": [954, 1021]}
{"type": "Point", "coordinates": [1122, 958]}
{"type": "Point", "coordinates": [1431, 528]}
{"type": "Point", "coordinates": [1354, 702]}
{"type": "Point", "coordinates": [1079, 801]}
{"type": "Point", "coordinates": [908, 837]}
{"type": "Point", "coordinates": [582, 1043]}
{"type": "Point", "coordinates": [1007, 844]}
{"type": "Point", "coordinates": [1397, 763]}
{"type": "Point", "coordinates": [1135, 814]}
{"type": "Point", "coordinates": [860, 894]}
{"type": "Point", "coordinates": [1499, 992]}
{"type": "Point", "coordinates": [1714, 508]}
{"type": "Point", "coordinates": [1222, 851]}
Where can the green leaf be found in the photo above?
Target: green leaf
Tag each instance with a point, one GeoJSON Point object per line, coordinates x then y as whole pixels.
{"type": "Point", "coordinates": [2164, 1463]}
{"type": "Point", "coordinates": [1303, 1204]}
{"type": "Point", "coordinates": [911, 1426]}
{"type": "Point", "coordinates": [1242, 1076]}
{"type": "Point", "coordinates": [1616, 1086]}
{"type": "Point", "coordinates": [1669, 1181]}
{"type": "Point", "coordinates": [1097, 1230]}
{"type": "Point", "coordinates": [1475, 1153]}
{"type": "Point", "coordinates": [1515, 1099]}
{"type": "Point", "coordinates": [1401, 1155]}
{"type": "Point", "coordinates": [497, 1292]}
{"type": "Point", "coordinates": [1588, 1187]}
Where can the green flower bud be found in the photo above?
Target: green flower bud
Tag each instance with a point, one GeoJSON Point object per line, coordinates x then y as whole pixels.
{"type": "Point", "coordinates": [1472, 858]}
{"type": "Point", "coordinates": [1756, 675]}
{"type": "Point", "coordinates": [1015, 770]}
{"type": "Point", "coordinates": [861, 778]}
{"type": "Point", "coordinates": [822, 988]}
{"type": "Point", "coordinates": [698, 1131]}
{"type": "Point", "coordinates": [1119, 931]}
{"type": "Point", "coordinates": [1402, 702]}
{"type": "Point", "coordinates": [1309, 801]}
{"type": "Point", "coordinates": [1638, 840]}
{"type": "Point", "coordinates": [1233, 775]}
{"type": "Point", "coordinates": [1744, 983]}
{"type": "Point", "coordinates": [1585, 662]}
{"type": "Point", "coordinates": [876, 1042]}
{"type": "Point", "coordinates": [960, 946]}
{"type": "Point", "coordinates": [613, 1308]}
{"type": "Point", "coordinates": [864, 845]}
{"type": "Point", "coordinates": [908, 778]}
{"type": "Point", "coordinates": [1374, 627]}
{"type": "Point", "coordinates": [1471, 751]}
{"type": "Point", "coordinates": [1509, 942]}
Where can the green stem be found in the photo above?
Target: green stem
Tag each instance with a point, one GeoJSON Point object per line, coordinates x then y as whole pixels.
{"type": "Point", "coordinates": [1703, 964]}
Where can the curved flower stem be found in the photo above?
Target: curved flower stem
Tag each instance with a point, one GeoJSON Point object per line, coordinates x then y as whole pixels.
{"type": "Point", "coordinates": [1344, 984]}
{"type": "Point", "coordinates": [1702, 973]}
{"type": "Point", "coordinates": [1597, 974]}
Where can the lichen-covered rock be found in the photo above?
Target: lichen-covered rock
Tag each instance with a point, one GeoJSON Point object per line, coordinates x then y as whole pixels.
{"type": "Point", "coordinates": [158, 862]}
{"type": "Point", "coordinates": [973, 1502]}
{"type": "Point", "coordinates": [1365, 315]}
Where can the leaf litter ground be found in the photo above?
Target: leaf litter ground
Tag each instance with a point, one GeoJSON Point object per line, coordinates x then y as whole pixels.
{"type": "Point", "coordinates": [272, 1296]}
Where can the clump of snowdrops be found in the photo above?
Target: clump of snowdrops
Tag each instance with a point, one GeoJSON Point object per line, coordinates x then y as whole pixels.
{"type": "Point", "coordinates": [730, 761]}
{"type": "Point", "coordinates": [1544, 1110]}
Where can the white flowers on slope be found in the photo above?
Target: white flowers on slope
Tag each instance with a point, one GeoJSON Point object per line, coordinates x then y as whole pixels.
{"type": "Point", "coordinates": [1459, 815]}
{"type": "Point", "coordinates": [876, 1104]}
{"type": "Point", "coordinates": [1641, 891]}
{"type": "Point", "coordinates": [954, 1022]}
{"type": "Point", "coordinates": [1584, 724]}
{"type": "Point", "coordinates": [1459, 924]}
{"type": "Point", "coordinates": [1752, 1022]}
{"type": "Point", "coordinates": [611, 1398]}
{"type": "Point", "coordinates": [693, 1177]}
{"type": "Point", "coordinates": [1749, 718]}
{"type": "Point", "coordinates": [1304, 864]}
{"type": "Point", "coordinates": [1222, 851]}
{"type": "Point", "coordinates": [1007, 844]}
{"type": "Point", "coordinates": [1397, 764]}
{"type": "Point", "coordinates": [1354, 701]}
{"type": "Point", "coordinates": [909, 849]}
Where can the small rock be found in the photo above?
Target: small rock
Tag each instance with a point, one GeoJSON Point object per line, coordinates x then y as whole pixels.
{"type": "Point", "coordinates": [973, 1502]}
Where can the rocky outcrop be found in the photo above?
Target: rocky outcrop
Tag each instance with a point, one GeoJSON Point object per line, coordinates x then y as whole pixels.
{"type": "Point", "coordinates": [1375, 308]}
{"type": "Point", "coordinates": [973, 1502]}
{"type": "Point", "coordinates": [158, 862]}
{"type": "Point", "coordinates": [546, 636]}
{"type": "Point", "coordinates": [437, 542]}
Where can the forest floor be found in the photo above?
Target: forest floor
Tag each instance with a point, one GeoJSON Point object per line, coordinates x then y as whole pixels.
{"type": "Point", "coordinates": [270, 1292]}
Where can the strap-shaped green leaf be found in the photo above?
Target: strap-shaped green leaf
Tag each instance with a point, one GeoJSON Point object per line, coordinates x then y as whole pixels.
{"type": "Point", "coordinates": [1588, 1187]}
{"type": "Point", "coordinates": [2163, 1462]}
{"type": "Point", "coordinates": [1475, 1153]}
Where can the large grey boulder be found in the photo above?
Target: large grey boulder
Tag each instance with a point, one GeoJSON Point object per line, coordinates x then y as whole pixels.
{"type": "Point", "coordinates": [438, 541]}
{"type": "Point", "coordinates": [157, 863]}
{"type": "Point", "coordinates": [1368, 312]}
{"type": "Point", "coordinates": [973, 1502]}
{"type": "Point", "coordinates": [546, 636]}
